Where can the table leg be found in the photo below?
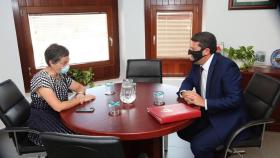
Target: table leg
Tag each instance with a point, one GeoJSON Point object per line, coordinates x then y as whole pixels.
{"type": "Point", "coordinates": [152, 147]}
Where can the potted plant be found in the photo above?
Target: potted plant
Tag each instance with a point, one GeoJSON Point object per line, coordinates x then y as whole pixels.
{"type": "Point", "coordinates": [84, 77]}
{"type": "Point", "coordinates": [243, 56]}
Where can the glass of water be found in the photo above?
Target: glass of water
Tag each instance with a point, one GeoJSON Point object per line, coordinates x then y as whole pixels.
{"type": "Point", "coordinates": [109, 88]}
{"type": "Point", "coordinates": [114, 108]}
{"type": "Point", "coordinates": [158, 97]}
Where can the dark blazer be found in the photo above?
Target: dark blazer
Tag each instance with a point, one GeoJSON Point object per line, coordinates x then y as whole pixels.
{"type": "Point", "coordinates": [223, 93]}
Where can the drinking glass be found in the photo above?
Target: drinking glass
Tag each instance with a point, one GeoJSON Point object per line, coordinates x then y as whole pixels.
{"type": "Point", "coordinates": [114, 108]}
{"type": "Point", "coordinates": [158, 97]}
{"type": "Point", "coordinates": [128, 91]}
{"type": "Point", "coordinates": [109, 88]}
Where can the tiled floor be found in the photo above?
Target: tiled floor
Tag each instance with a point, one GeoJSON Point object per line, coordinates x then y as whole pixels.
{"type": "Point", "coordinates": [177, 148]}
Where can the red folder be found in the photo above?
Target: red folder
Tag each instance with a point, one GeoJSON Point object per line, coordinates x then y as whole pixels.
{"type": "Point", "coordinates": [174, 112]}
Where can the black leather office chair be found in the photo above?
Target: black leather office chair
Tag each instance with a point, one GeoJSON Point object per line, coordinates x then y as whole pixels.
{"type": "Point", "coordinates": [262, 95]}
{"type": "Point", "coordinates": [59, 145]}
{"type": "Point", "coordinates": [144, 70]}
{"type": "Point", "coordinates": [14, 112]}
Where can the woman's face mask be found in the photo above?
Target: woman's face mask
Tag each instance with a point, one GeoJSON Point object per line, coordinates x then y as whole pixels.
{"type": "Point", "coordinates": [65, 69]}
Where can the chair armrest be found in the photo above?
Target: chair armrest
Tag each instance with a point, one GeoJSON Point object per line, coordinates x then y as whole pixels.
{"type": "Point", "coordinates": [15, 130]}
{"type": "Point", "coordinates": [246, 126]}
{"type": "Point", "coordinates": [18, 129]}
{"type": "Point", "coordinates": [257, 122]}
{"type": "Point", "coordinates": [250, 124]}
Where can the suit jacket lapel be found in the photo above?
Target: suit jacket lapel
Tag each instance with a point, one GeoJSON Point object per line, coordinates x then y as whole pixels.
{"type": "Point", "coordinates": [210, 73]}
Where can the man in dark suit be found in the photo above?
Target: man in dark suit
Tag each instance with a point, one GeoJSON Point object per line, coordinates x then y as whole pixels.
{"type": "Point", "coordinates": [216, 80]}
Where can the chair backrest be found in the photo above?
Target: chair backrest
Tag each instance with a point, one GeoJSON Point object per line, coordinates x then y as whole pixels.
{"type": "Point", "coordinates": [262, 96]}
{"type": "Point", "coordinates": [144, 70]}
{"type": "Point", "coordinates": [60, 145]}
{"type": "Point", "coordinates": [14, 108]}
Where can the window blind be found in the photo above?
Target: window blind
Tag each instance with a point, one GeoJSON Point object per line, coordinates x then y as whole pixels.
{"type": "Point", "coordinates": [174, 31]}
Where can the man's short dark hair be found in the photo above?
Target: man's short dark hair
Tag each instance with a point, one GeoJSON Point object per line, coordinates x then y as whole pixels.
{"type": "Point", "coordinates": [55, 52]}
{"type": "Point", "coordinates": [206, 40]}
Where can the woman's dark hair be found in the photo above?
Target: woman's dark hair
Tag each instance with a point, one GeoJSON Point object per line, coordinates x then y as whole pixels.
{"type": "Point", "coordinates": [206, 40]}
{"type": "Point", "coordinates": [55, 52]}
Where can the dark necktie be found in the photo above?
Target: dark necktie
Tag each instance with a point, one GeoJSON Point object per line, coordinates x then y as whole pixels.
{"type": "Point", "coordinates": [201, 69]}
{"type": "Point", "coordinates": [200, 77]}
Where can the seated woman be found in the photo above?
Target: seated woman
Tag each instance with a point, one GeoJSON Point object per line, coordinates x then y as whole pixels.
{"type": "Point", "coordinates": [49, 93]}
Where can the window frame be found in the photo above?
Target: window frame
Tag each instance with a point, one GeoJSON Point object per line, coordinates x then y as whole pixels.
{"type": "Point", "coordinates": [45, 10]}
{"type": "Point", "coordinates": [172, 67]}
{"type": "Point", "coordinates": [102, 69]}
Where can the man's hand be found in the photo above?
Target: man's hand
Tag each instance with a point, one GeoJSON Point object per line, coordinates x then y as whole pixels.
{"type": "Point", "coordinates": [192, 97]}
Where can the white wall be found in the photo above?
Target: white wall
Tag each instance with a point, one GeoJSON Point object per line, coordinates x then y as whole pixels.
{"type": "Point", "coordinates": [131, 31]}
{"type": "Point", "coordinates": [259, 28]}
{"type": "Point", "coordinates": [10, 67]}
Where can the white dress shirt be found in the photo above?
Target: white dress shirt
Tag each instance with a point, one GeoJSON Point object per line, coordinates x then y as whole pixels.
{"type": "Point", "coordinates": [203, 80]}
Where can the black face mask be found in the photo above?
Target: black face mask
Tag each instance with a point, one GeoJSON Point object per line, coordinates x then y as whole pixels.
{"type": "Point", "coordinates": [197, 55]}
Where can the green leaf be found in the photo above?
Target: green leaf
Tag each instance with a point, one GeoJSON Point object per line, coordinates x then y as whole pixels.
{"type": "Point", "coordinates": [250, 47]}
{"type": "Point", "coordinates": [84, 77]}
{"type": "Point", "coordinates": [243, 53]}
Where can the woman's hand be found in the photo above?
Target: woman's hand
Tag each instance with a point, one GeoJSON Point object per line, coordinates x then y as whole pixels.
{"type": "Point", "coordinates": [89, 98]}
{"type": "Point", "coordinates": [85, 98]}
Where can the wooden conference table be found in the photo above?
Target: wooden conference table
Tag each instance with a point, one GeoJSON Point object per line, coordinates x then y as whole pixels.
{"type": "Point", "coordinates": [138, 131]}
